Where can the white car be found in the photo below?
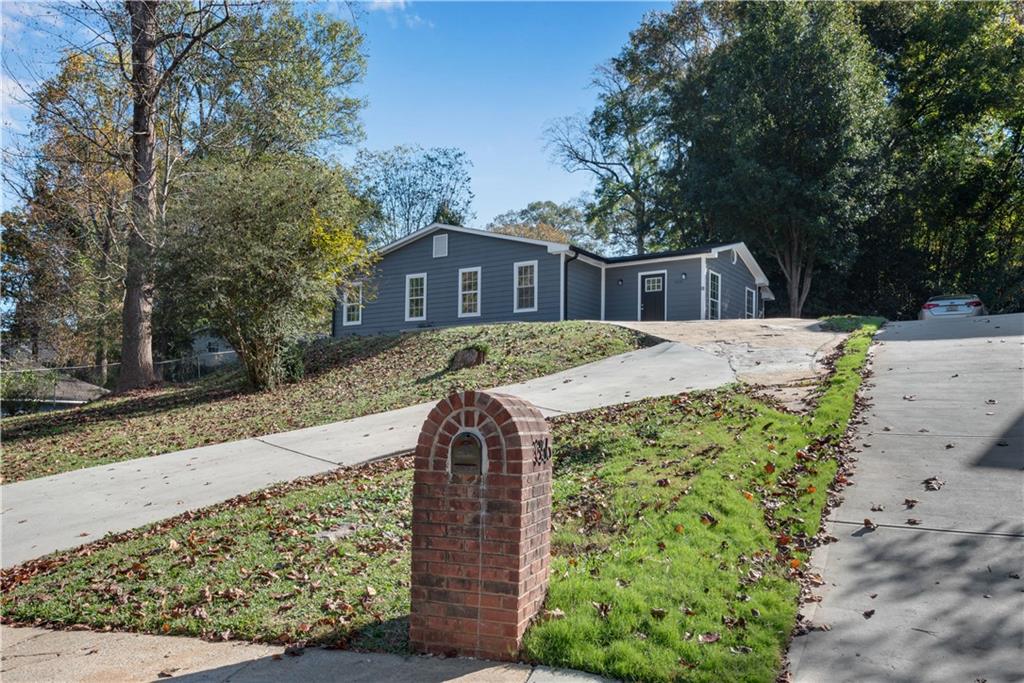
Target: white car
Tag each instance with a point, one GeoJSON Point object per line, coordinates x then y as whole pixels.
{"type": "Point", "coordinates": [952, 306]}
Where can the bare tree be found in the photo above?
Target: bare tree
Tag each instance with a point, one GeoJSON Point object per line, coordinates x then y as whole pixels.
{"type": "Point", "coordinates": [620, 146]}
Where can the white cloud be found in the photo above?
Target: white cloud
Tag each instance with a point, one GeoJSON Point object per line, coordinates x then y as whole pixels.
{"type": "Point", "coordinates": [415, 21]}
{"type": "Point", "coordinates": [387, 5]}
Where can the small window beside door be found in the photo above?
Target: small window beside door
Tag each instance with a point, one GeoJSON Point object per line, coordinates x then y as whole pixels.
{"type": "Point", "coordinates": [714, 295]}
{"type": "Point", "coordinates": [525, 287]}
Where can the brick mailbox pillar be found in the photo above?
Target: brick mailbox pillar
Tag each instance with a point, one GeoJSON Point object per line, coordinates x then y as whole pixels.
{"type": "Point", "coordinates": [481, 525]}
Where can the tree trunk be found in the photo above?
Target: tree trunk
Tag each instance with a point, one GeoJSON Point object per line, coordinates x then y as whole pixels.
{"type": "Point", "coordinates": [793, 295]}
{"type": "Point", "coordinates": [137, 335]}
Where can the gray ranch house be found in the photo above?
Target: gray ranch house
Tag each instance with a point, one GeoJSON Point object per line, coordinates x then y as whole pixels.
{"type": "Point", "coordinates": [446, 275]}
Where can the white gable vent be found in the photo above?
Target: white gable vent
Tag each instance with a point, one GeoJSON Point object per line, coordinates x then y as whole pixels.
{"type": "Point", "coordinates": [440, 246]}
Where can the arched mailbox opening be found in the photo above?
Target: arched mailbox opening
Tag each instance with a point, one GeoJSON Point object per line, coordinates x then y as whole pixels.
{"type": "Point", "coordinates": [466, 454]}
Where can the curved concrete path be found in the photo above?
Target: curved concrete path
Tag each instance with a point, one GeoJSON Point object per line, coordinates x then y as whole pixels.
{"type": "Point", "coordinates": [941, 599]}
{"type": "Point", "coordinates": [65, 510]}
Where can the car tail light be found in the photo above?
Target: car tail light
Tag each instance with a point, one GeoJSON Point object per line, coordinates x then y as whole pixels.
{"type": "Point", "coordinates": [929, 306]}
{"type": "Point", "coordinates": [974, 303]}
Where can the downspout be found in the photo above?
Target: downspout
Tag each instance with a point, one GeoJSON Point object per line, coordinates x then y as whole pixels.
{"type": "Point", "coordinates": [565, 285]}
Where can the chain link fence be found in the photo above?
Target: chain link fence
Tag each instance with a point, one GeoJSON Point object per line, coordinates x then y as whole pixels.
{"type": "Point", "coordinates": [24, 390]}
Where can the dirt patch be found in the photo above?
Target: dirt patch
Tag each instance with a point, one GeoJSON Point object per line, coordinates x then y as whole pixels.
{"type": "Point", "coordinates": [778, 352]}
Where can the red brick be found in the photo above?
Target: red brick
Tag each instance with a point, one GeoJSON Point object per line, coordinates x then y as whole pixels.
{"type": "Point", "coordinates": [480, 565]}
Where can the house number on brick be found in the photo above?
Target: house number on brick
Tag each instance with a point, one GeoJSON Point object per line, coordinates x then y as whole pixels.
{"type": "Point", "coordinates": [481, 526]}
{"type": "Point", "coordinates": [467, 454]}
{"type": "Point", "coordinates": [541, 451]}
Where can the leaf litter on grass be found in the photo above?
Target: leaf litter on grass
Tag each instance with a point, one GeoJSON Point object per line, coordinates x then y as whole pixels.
{"type": "Point", "coordinates": [617, 548]}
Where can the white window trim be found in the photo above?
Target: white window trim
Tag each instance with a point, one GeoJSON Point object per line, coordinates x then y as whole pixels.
{"type": "Point", "coordinates": [479, 290]}
{"type": "Point", "coordinates": [440, 240]}
{"type": "Point", "coordinates": [711, 274]}
{"type": "Point", "coordinates": [515, 286]}
{"type": "Point", "coordinates": [664, 291]}
{"type": "Point", "coordinates": [412, 276]}
{"type": "Point", "coordinates": [346, 304]}
{"type": "Point", "coordinates": [754, 307]}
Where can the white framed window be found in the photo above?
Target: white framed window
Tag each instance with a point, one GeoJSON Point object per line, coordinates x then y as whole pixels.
{"type": "Point", "coordinates": [714, 295]}
{"type": "Point", "coordinates": [653, 284]}
{"type": "Point", "coordinates": [469, 292]}
{"type": "Point", "coordinates": [352, 306]}
{"type": "Point", "coordinates": [750, 303]}
{"type": "Point", "coordinates": [525, 287]}
{"type": "Point", "coordinates": [415, 297]}
{"type": "Point", "coordinates": [440, 246]}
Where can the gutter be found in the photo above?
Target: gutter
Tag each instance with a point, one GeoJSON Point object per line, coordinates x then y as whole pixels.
{"type": "Point", "coordinates": [565, 279]}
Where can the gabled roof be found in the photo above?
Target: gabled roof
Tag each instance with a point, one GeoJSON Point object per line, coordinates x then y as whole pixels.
{"type": "Point", "coordinates": [712, 250]}
{"type": "Point", "coordinates": [553, 247]}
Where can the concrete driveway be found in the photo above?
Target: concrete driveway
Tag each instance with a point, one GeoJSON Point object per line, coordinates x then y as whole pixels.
{"type": "Point", "coordinates": [761, 351]}
{"type": "Point", "coordinates": [65, 510]}
{"type": "Point", "coordinates": [941, 599]}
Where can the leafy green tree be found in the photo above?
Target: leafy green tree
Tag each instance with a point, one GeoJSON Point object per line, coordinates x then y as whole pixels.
{"type": "Point", "coordinates": [200, 78]}
{"type": "Point", "coordinates": [784, 130]}
{"type": "Point", "coordinates": [410, 187]}
{"type": "Point", "coordinates": [260, 247]}
{"type": "Point", "coordinates": [951, 219]}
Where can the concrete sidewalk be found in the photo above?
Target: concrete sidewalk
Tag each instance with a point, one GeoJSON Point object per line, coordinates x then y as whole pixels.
{"type": "Point", "coordinates": [32, 655]}
{"type": "Point", "coordinates": [65, 510]}
{"type": "Point", "coordinates": [943, 599]}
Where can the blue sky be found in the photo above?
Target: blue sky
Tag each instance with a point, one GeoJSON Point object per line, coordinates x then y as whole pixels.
{"type": "Point", "coordinates": [483, 76]}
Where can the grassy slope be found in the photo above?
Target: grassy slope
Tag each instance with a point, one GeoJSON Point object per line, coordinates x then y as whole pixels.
{"type": "Point", "coordinates": [632, 485]}
{"type": "Point", "coordinates": [349, 378]}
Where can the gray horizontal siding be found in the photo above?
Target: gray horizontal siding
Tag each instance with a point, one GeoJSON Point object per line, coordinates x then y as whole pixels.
{"type": "Point", "coordinates": [682, 297]}
{"type": "Point", "coordinates": [584, 284]}
{"type": "Point", "coordinates": [735, 278]}
{"type": "Point", "coordinates": [384, 295]}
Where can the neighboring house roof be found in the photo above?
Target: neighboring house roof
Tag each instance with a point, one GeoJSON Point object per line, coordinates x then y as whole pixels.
{"type": "Point", "coordinates": [561, 247]}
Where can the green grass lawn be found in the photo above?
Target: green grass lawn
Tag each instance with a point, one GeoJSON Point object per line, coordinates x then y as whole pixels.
{"type": "Point", "coordinates": [346, 379]}
{"type": "Point", "coordinates": [681, 528]}
{"type": "Point", "coordinates": [850, 323]}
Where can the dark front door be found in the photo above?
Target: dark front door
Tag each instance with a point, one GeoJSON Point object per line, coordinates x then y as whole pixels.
{"type": "Point", "coordinates": [652, 297]}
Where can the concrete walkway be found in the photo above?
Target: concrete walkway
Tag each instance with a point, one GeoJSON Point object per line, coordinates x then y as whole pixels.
{"type": "Point", "coordinates": [65, 510]}
{"type": "Point", "coordinates": [32, 655]}
{"type": "Point", "coordinates": [943, 599]}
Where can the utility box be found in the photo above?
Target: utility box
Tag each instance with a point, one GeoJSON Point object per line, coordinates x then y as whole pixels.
{"type": "Point", "coordinates": [481, 526]}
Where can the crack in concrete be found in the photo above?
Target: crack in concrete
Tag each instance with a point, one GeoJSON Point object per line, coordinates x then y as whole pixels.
{"type": "Point", "coordinates": [997, 534]}
{"type": "Point", "coordinates": [292, 450]}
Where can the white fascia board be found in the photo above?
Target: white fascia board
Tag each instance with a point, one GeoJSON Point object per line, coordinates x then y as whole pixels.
{"type": "Point", "coordinates": [553, 247]}
{"type": "Point", "coordinates": [748, 259]}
